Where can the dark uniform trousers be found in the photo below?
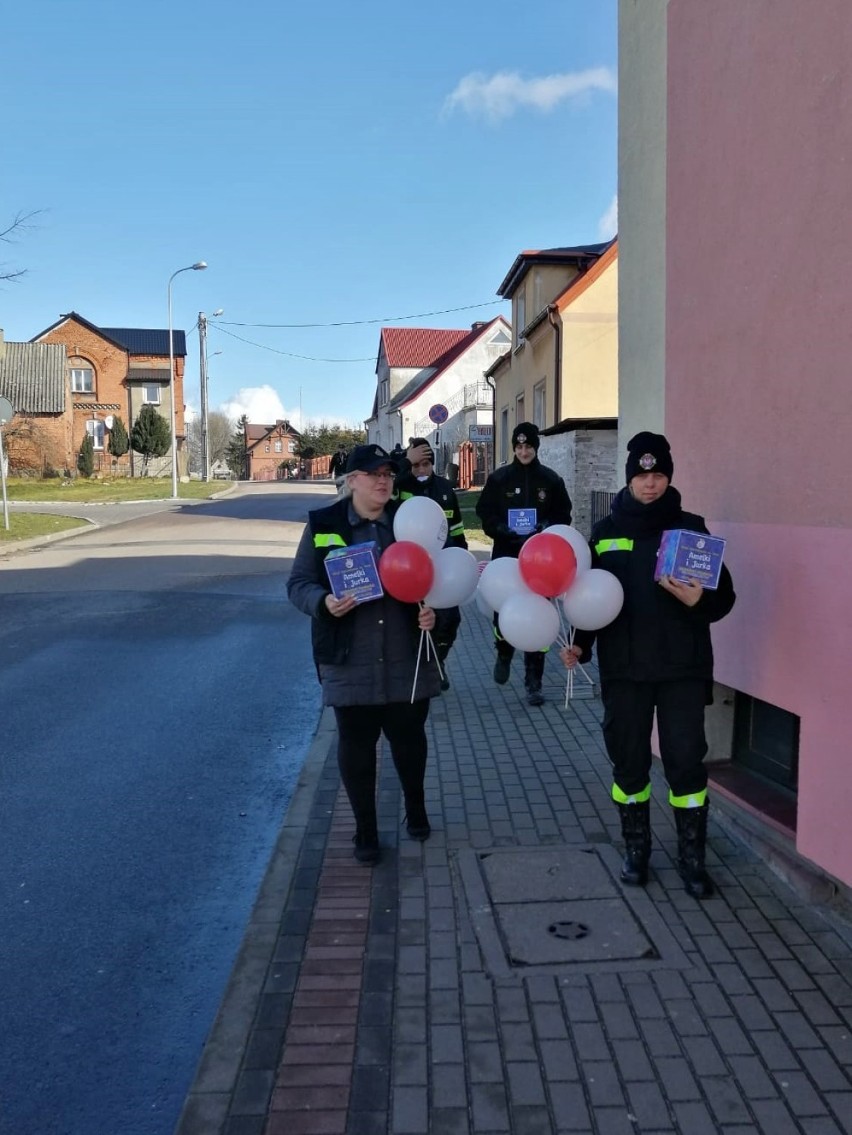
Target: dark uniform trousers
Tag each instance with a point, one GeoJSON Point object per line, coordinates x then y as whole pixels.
{"type": "Point", "coordinates": [359, 728]}
{"type": "Point", "coordinates": [628, 717]}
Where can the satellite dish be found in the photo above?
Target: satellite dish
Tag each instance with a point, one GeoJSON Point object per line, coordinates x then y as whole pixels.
{"type": "Point", "coordinates": [109, 421]}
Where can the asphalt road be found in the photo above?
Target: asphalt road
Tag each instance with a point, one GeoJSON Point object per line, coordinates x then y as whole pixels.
{"type": "Point", "coordinates": [157, 699]}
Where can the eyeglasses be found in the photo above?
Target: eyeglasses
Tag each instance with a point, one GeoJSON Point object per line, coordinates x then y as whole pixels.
{"type": "Point", "coordinates": [379, 475]}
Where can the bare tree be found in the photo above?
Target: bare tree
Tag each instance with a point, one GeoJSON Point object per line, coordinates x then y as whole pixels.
{"type": "Point", "coordinates": [19, 224]}
{"type": "Point", "coordinates": [220, 429]}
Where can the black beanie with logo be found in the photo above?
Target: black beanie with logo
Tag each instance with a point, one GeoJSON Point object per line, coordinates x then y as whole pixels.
{"type": "Point", "coordinates": [648, 453]}
{"type": "Point", "coordinates": [526, 432]}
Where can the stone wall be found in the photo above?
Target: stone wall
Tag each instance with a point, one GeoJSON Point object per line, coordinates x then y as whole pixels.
{"type": "Point", "coordinates": [587, 460]}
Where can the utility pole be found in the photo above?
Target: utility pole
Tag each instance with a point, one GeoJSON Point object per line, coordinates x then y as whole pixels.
{"type": "Point", "coordinates": [202, 363]}
{"type": "Point", "coordinates": [205, 419]}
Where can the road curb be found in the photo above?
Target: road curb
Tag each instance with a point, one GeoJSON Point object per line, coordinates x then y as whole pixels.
{"type": "Point", "coordinates": [205, 1108]}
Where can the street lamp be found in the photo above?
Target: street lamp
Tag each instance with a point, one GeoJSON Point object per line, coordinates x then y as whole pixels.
{"type": "Point", "coordinates": [189, 268]}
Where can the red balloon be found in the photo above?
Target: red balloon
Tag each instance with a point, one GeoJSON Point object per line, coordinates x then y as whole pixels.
{"type": "Point", "coordinates": [547, 564]}
{"type": "Point", "coordinates": [407, 572]}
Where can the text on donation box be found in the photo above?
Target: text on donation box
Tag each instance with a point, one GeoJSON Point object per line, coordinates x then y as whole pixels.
{"type": "Point", "coordinates": [691, 556]}
{"type": "Point", "coordinates": [354, 572]}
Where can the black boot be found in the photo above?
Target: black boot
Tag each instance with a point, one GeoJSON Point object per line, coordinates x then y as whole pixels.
{"type": "Point", "coordinates": [366, 840]}
{"type": "Point", "coordinates": [636, 832]}
{"type": "Point", "coordinates": [691, 842]}
{"type": "Point", "coordinates": [503, 663]}
{"type": "Point", "coordinates": [533, 672]}
{"type": "Point", "coordinates": [416, 821]}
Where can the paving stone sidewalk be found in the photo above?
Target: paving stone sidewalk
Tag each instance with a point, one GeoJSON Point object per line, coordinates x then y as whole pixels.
{"type": "Point", "coordinates": [498, 978]}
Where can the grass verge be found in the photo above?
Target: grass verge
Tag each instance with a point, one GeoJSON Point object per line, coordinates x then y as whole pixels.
{"type": "Point", "coordinates": [27, 525]}
{"type": "Point", "coordinates": [108, 491]}
{"type": "Point", "coordinates": [467, 499]}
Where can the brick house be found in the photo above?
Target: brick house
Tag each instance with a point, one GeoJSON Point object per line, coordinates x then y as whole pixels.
{"type": "Point", "coordinates": [267, 447]}
{"type": "Point", "coordinates": [34, 378]}
{"type": "Point", "coordinates": [113, 372]}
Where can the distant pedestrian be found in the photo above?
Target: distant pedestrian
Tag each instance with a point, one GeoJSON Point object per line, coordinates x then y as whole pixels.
{"type": "Point", "coordinates": [366, 654]}
{"type": "Point", "coordinates": [513, 495]}
{"type": "Point", "coordinates": [338, 462]}
{"type": "Point", "coordinates": [417, 478]}
{"type": "Point", "coordinates": [655, 656]}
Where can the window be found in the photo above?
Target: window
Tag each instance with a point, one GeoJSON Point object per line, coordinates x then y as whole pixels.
{"type": "Point", "coordinates": [504, 434]}
{"type": "Point", "coordinates": [520, 415]}
{"type": "Point", "coordinates": [291, 445]}
{"type": "Point", "coordinates": [82, 380]}
{"type": "Point", "coordinates": [520, 320]}
{"type": "Point", "coordinates": [766, 741]}
{"type": "Point", "coordinates": [151, 395]}
{"type": "Point", "coordinates": [539, 406]}
{"type": "Point", "coordinates": [95, 430]}
{"type": "Point", "coordinates": [384, 394]}
{"type": "Point", "coordinates": [279, 445]}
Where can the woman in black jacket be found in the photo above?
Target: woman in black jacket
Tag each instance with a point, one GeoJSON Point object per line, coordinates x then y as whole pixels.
{"type": "Point", "coordinates": [655, 656]}
{"type": "Point", "coordinates": [366, 654]}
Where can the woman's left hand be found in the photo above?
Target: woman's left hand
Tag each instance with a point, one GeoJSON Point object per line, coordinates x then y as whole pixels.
{"type": "Point", "coordinates": [426, 619]}
{"type": "Point", "coordinates": [688, 593]}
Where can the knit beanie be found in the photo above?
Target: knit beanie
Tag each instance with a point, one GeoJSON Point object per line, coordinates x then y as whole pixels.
{"type": "Point", "coordinates": [526, 432]}
{"type": "Point", "coordinates": [648, 453]}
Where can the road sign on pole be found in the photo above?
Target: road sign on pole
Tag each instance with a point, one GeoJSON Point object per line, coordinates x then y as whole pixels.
{"type": "Point", "coordinates": [6, 414]}
{"type": "Point", "coordinates": [438, 414]}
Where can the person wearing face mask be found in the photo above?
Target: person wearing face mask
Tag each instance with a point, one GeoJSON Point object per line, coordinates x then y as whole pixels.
{"type": "Point", "coordinates": [524, 484]}
{"type": "Point", "coordinates": [417, 478]}
{"type": "Point", "coordinates": [656, 656]}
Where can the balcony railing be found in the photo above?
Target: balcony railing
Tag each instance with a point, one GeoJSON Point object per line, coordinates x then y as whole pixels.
{"type": "Point", "coordinates": [472, 396]}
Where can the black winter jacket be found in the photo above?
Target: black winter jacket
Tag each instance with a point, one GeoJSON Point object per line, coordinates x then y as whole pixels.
{"type": "Point", "coordinates": [369, 656]}
{"type": "Point", "coordinates": [655, 638]}
{"type": "Point", "coordinates": [521, 486]}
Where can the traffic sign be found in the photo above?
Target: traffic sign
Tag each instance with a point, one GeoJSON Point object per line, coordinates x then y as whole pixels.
{"type": "Point", "coordinates": [438, 414]}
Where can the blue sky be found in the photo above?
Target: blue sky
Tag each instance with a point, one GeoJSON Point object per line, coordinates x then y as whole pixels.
{"type": "Point", "coordinates": [333, 163]}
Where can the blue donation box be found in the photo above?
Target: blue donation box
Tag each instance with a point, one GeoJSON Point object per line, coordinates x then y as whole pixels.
{"type": "Point", "coordinates": [688, 556]}
{"type": "Point", "coordinates": [354, 571]}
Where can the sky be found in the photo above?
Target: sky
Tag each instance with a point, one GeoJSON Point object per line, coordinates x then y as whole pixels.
{"type": "Point", "coordinates": [340, 167]}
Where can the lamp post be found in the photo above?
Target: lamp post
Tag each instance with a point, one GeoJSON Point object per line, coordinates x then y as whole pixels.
{"type": "Point", "coordinates": [189, 268]}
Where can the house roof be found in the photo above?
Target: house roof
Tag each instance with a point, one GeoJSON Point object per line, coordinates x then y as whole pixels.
{"type": "Point", "coordinates": [442, 362]}
{"type": "Point", "coordinates": [580, 283]}
{"type": "Point", "coordinates": [256, 432]}
{"type": "Point", "coordinates": [580, 254]}
{"type": "Point", "coordinates": [32, 377]}
{"type": "Point", "coordinates": [417, 346]}
{"type": "Point", "coordinates": [134, 340]}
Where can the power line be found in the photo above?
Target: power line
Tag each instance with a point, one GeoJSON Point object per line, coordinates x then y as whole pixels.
{"type": "Point", "coordinates": [364, 322]}
{"type": "Point", "coordinates": [276, 351]}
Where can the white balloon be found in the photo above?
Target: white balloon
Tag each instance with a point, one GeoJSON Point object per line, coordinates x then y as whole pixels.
{"type": "Point", "coordinates": [529, 622]}
{"type": "Point", "coordinates": [593, 600]}
{"type": "Point", "coordinates": [578, 542]}
{"type": "Point", "coordinates": [456, 578]}
{"type": "Point", "coordinates": [421, 520]}
{"type": "Point", "coordinates": [482, 605]}
{"type": "Point", "coordinates": [500, 579]}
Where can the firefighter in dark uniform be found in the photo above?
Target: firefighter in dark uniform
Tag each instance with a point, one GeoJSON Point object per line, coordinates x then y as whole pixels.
{"type": "Point", "coordinates": [523, 484]}
{"type": "Point", "coordinates": [417, 478]}
{"type": "Point", "coordinates": [655, 655]}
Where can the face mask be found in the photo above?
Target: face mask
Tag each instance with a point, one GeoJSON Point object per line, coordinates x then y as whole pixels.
{"type": "Point", "coordinates": [421, 479]}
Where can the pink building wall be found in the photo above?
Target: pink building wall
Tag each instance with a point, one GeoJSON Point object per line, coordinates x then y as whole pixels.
{"type": "Point", "coordinates": [759, 359]}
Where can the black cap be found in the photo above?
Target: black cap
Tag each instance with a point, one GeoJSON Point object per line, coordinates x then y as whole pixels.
{"type": "Point", "coordinates": [526, 433]}
{"type": "Point", "coordinates": [648, 453]}
{"type": "Point", "coordinates": [367, 458]}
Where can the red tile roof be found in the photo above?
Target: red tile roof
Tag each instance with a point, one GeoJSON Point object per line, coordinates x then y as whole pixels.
{"type": "Point", "coordinates": [418, 346]}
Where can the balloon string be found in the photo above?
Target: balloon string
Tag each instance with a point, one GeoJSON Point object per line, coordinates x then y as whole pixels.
{"type": "Point", "coordinates": [417, 667]}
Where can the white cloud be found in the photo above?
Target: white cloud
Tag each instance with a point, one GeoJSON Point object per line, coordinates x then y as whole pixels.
{"type": "Point", "coordinates": [500, 96]}
{"type": "Point", "coordinates": [260, 404]}
{"type": "Point", "coordinates": [608, 224]}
